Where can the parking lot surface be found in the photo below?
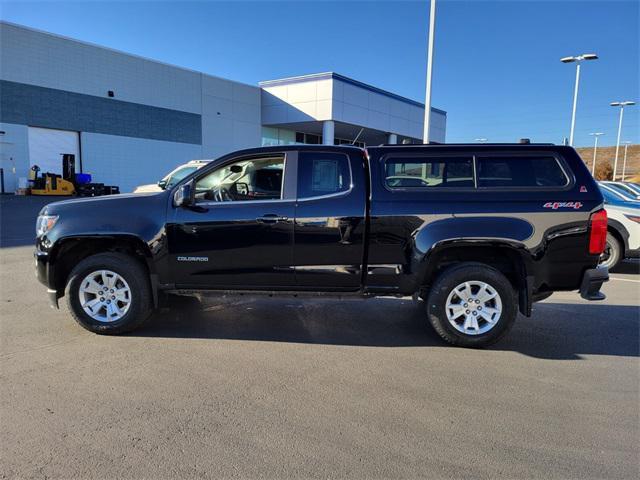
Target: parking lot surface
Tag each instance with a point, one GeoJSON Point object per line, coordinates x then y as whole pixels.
{"type": "Point", "coordinates": [288, 388]}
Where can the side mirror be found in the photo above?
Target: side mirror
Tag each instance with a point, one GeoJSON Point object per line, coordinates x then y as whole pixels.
{"type": "Point", "coordinates": [241, 188]}
{"type": "Point", "coordinates": [184, 195]}
{"type": "Point", "coordinates": [236, 169]}
{"type": "Point", "coordinates": [162, 184]}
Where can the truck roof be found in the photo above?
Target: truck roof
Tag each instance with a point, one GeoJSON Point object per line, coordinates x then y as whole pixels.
{"type": "Point", "coordinates": [465, 144]}
{"type": "Point", "coordinates": [417, 146]}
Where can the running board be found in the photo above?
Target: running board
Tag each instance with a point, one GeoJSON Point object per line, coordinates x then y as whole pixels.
{"type": "Point", "coordinates": [362, 295]}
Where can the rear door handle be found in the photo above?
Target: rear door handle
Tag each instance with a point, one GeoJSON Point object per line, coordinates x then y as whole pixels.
{"type": "Point", "coordinates": [271, 218]}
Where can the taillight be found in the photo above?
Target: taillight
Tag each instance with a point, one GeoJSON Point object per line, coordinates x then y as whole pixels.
{"type": "Point", "coordinates": [598, 232]}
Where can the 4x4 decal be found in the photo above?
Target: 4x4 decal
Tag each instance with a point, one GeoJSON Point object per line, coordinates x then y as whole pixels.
{"type": "Point", "coordinates": [557, 205]}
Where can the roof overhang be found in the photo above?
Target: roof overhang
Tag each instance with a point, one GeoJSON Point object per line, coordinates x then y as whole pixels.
{"type": "Point", "coordinates": [336, 76]}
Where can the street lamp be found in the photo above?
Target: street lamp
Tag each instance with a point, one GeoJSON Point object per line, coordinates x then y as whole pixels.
{"type": "Point", "coordinates": [624, 163]}
{"type": "Point", "coordinates": [577, 59]}
{"type": "Point", "coordinates": [427, 99]}
{"type": "Point", "coordinates": [626, 103]}
{"type": "Point", "coordinates": [481, 140]}
{"type": "Point", "coordinates": [595, 150]}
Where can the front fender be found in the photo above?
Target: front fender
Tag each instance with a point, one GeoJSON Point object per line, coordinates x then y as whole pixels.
{"type": "Point", "coordinates": [620, 230]}
{"type": "Point", "coordinates": [64, 243]}
{"type": "Point", "coordinates": [55, 264]}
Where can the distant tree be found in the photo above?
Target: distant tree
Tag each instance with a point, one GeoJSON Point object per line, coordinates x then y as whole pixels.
{"type": "Point", "coordinates": [604, 171]}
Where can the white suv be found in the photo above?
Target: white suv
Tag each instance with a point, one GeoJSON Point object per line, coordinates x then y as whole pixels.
{"type": "Point", "coordinates": [623, 229]}
{"type": "Point", "coordinates": [173, 177]}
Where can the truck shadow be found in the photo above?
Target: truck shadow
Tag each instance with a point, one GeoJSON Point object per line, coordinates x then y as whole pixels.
{"type": "Point", "coordinates": [630, 267]}
{"type": "Point", "coordinates": [558, 331]}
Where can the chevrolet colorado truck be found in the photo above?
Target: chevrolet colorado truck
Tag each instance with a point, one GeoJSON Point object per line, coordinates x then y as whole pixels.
{"type": "Point", "coordinates": [479, 232]}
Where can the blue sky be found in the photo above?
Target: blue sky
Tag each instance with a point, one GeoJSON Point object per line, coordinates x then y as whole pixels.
{"type": "Point", "coordinates": [497, 71]}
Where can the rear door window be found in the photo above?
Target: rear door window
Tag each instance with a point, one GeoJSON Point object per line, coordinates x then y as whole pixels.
{"type": "Point", "coordinates": [520, 171]}
{"type": "Point", "coordinates": [407, 172]}
{"type": "Point", "coordinates": [323, 173]}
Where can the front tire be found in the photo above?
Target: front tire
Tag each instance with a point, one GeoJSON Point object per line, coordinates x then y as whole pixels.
{"type": "Point", "coordinates": [109, 293]}
{"type": "Point", "coordinates": [472, 305]}
{"type": "Point", "coordinates": [612, 252]}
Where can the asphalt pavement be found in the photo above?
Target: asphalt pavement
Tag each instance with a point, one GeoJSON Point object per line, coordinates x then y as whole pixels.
{"type": "Point", "coordinates": [287, 388]}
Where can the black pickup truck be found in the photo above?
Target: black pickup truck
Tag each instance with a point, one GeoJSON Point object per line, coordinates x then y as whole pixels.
{"type": "Point", "coordinates": [479, 232]}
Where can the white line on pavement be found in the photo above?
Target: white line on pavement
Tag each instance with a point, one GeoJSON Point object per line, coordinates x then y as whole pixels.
{"type": "Point", "coordinates": [624, 279]}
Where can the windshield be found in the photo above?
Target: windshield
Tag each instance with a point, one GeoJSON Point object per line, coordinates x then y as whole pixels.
{"type": "Point", "coordinates": [177, 175]}
{"type": "Point", "coordinates": [625, 190]}
{"type": "Point", "coordinates": [614, 197]}
{"type": "Point", "coordinates": [633, 186]}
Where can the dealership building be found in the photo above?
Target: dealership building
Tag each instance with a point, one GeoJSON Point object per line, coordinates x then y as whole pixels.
{"type": "Point", "coordinates": [129, 120]}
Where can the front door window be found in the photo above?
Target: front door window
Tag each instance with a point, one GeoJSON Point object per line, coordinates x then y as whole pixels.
{"type": "Point", "coordinates": [245, 180]}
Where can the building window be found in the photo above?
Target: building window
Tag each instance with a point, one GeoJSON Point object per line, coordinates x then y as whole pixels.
{"type": "Point", "coordinates": [312, 139]}
{"type": "Point", "coordinates": [308, 138]}
{"type": "Point", "coordinates": [269, 136]}
{"type": "Point", "coordinates": [277, 136]}
{"type": "Point", "coordinates": [344, 141]}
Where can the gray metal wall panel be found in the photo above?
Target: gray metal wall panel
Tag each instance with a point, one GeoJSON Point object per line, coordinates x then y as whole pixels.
{"type": "Point", "coordinates": [48, 60]}
{"type": "Point", "coordinates": [47, 107]}
{"type": "Point", "coordinates": [14, 154]}
{"type": "Point", "coordinates": [129, 162]}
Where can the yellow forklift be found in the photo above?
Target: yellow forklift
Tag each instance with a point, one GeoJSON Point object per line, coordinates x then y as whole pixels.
{"type": "Point", "coordinates": [69, 183]}
{"type": "Point", "coordinates": [49, 183]}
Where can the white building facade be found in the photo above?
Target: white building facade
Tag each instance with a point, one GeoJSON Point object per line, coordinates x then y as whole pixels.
{"type": "Point", "coordinates": [336, 109]}
{"type": "Point", "coordinates": [129, 120]}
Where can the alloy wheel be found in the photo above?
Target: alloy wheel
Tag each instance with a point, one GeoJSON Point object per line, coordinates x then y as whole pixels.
{"type": "Point", "coordinates": [105, 296]}
{"type": "Point", "coordinates": [606, 256]}
{"type": "Point", "coordinates": [473, 307]}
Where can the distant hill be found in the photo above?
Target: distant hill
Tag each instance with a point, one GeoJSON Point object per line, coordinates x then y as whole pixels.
{"type": "Point", "coordinates": [607, 154]}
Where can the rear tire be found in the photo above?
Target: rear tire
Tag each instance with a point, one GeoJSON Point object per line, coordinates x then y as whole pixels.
{"type": "Point", "coordinates": [472, 305]}
{"type": "Point", "coordinates": [612, 254]}
{"type": "Point", "coordinates": [109, 293]}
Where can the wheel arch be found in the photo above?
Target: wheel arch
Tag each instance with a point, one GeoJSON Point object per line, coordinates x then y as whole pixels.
{"type": "Point", "coordinates": [69, 251]}
{"type": "Point", "coordinates": [509, 258]}
{"type": "Point", "coordinates": [620, 232]}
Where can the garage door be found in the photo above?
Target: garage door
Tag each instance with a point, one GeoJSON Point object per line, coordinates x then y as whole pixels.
{"type": "Point", "coordinates": [46, 146]}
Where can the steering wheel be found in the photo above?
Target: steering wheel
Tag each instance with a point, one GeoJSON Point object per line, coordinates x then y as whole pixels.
{"type": "Point", "coordinates": [221, 194]}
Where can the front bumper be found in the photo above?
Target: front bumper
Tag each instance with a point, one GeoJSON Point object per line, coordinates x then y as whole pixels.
{"type": "Point", "coordinates": [592, 281]}
{"type": "Point", "coordinates": [43, 274]}
{"type": "Point", "coordinates": [53, 298]}
{"type": "Point", "coordinates": [42, 267]}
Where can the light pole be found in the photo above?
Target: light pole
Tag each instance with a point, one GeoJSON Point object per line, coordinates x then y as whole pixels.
{"type": "Point", "coordinates": [481, 140]}
{"type": "Point", "coordinates": [626, 103]}
{"type": "Point", "coordinates": [427, 99]}
{"type": "Point", "coordinates": [595, 150]}
{"type": "Point", "coordinates": [577, 59]}
{"type": "Point", "coordinates": [624, 163]}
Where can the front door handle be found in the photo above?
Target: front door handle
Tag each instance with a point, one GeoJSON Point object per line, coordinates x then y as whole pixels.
{"type": "Point", "coordinates": [271, 218]}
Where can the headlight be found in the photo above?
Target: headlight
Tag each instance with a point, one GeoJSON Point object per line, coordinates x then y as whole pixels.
{"type": "Point", "coordinates": [44, 223]}
{"type": "Point", "coordinates": [633, 218]}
